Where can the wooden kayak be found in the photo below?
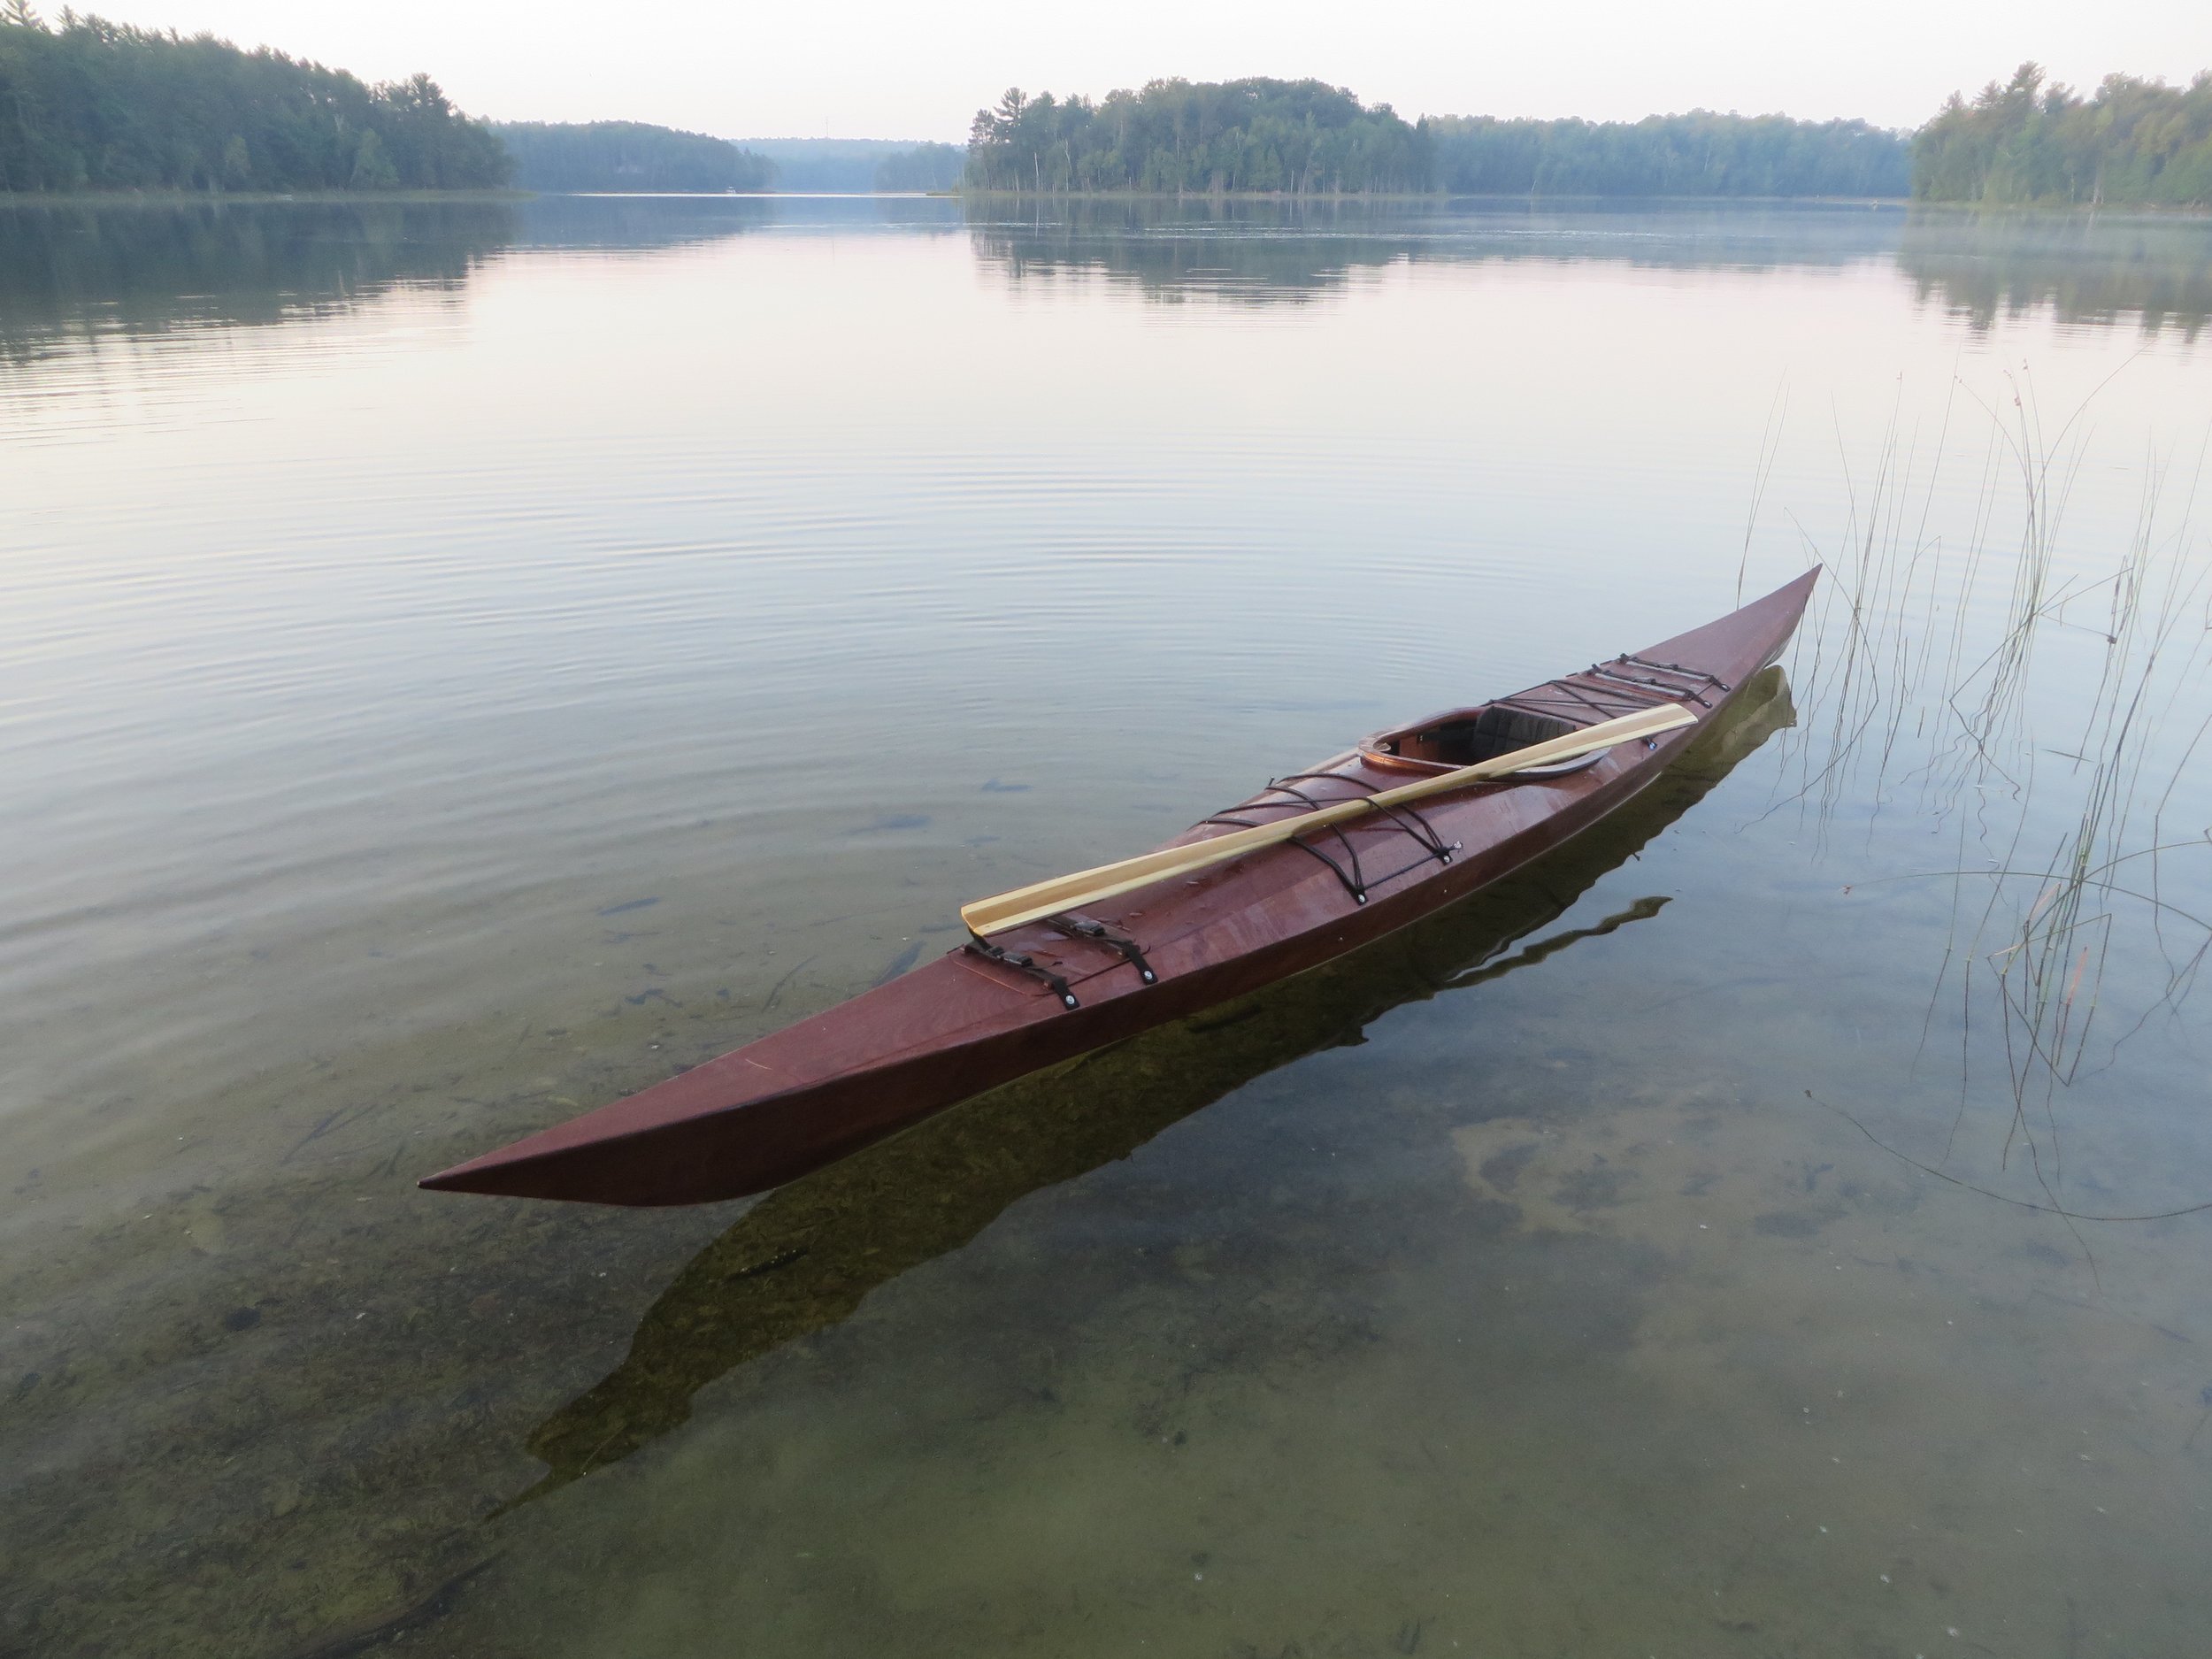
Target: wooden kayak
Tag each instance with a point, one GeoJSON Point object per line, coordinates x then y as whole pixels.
{"type": "Point", "coordinates": [997, 1009]}
{"type": "Point", "coordinates": [807, 1255]}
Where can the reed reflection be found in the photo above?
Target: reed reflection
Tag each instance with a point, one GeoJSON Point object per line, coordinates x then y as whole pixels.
{"type": "Point", "coordinates": [806, 1256]}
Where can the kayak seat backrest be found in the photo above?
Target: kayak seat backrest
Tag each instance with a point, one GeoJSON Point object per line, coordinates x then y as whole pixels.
{"type": "Point", "coordinates": [1493, 732]}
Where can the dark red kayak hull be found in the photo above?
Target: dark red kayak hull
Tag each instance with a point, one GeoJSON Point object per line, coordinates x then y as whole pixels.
{"type": "Point", "coordinates": [791, 1101]}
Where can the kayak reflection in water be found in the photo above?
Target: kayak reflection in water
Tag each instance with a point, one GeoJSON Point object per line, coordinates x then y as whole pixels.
{"type": "Point", "coordinates": [806, 1256]}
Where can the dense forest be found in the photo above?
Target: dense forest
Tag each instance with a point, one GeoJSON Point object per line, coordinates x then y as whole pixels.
{"type": "Point", "coordinates": [1697, 154]}
{"type": "Point", "coordinates": [1298, 137]}
{"type": "Point", "coordinates": [95, 106]}
{"type": "Point", "coordinates": [628, 155]}
{"type": "Point", "coordinates": [2030, 140]}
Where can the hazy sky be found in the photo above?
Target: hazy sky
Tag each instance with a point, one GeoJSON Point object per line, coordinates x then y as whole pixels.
{"type": "Point", "coordinates": [869, 68]}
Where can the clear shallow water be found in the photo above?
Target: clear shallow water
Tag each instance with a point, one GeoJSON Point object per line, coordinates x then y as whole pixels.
{"type": "Point", "coordinates": [465, 660]}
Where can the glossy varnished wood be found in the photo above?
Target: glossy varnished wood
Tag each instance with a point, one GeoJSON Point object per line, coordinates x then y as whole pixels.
{"type": "Point", "coordinates": [794, 1100]}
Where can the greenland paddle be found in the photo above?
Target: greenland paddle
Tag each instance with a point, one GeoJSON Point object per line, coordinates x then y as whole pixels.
{"type": "Point", "coordinates": [1088, 886]}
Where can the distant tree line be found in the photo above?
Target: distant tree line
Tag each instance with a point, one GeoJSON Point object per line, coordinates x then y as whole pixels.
{"type": "Point", "coordinates": [95, 106]}
{"type": "Point", "coordinates": [618, 156]}
{"type": "Point", "coordinates": [1697, 154]}
{"type": "Point", "coordinates": [924, 167]}
{"type": "Point", "coordinates": [1297, 137]}
{"type": "Point", "coordinates": [2030, 140]}
{"type": "Point", "coordinates": [854, 166]}
{"type": "Point", "coordinates": [1304, 137]}
{"type": "Point", "coordinates": [630, 156]}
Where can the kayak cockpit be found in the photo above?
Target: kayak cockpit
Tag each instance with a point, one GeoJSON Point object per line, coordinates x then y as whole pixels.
{"type": "Point", "coordinates": [1461, 737]}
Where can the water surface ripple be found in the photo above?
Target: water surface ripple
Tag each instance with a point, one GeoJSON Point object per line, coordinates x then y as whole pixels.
{"type": "Point", "coordinates": [467, 660]}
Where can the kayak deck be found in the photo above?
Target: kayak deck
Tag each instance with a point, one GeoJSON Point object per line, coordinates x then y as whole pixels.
{"type": "Point", "coordinates": [994, 1010]}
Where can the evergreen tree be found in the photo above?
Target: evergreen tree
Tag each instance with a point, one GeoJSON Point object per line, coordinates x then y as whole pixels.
{"type": "Point", "coordinates": [102, 106]}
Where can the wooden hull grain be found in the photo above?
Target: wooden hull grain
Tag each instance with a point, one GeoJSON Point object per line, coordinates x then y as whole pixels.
{"type": "Point", "coordinates": [802, 1098]}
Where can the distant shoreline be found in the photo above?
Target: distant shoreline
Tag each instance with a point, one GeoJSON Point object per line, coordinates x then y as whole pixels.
{"type": "Point", "coordinates": [250, 198]}
{"type": "Point", "coordinates": [2156, 210]}
{"type": "Point", "coordinates": [1401, 195]}
{"type": "Point", "coordinates": [265, 198]}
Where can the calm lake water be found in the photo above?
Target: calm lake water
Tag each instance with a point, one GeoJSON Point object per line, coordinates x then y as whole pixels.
{"type": "Point", "coordinates": [465, 661]}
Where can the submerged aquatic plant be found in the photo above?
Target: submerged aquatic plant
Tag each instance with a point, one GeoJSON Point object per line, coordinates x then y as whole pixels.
{"type": "Point", "coordinates": [1937, 667]}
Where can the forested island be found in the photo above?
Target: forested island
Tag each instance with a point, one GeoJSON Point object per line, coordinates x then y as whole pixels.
{"type": "Point", "coordinates": [628, 155]}
{"type": "Point", "coordinates": [2032, 141]}
{"type": "Point", "coordinates": [95, 106]}
{"type": "Point", "coordinates": [1293, 137]}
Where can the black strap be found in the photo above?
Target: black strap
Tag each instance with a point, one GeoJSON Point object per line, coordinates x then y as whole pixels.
{"type": "Point", "coordinates": [1084, 926]}
{"type": "Point", "coordinates": [1021, 964]}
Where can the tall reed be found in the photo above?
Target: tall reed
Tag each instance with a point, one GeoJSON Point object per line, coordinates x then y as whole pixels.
{"type": "Point", "coordinates": [1940, 670]}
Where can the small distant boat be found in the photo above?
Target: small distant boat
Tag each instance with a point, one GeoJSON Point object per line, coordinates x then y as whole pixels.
{"type": "Point", "coordinates": [1025, 992]}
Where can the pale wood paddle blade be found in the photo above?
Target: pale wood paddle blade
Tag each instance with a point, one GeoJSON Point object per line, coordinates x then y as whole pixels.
{"type": "Point", "coordinates": [1088, 886]}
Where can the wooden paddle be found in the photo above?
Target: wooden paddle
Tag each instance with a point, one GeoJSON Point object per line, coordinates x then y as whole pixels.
{"type": "Point", "coordinates": [1088, 886]}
